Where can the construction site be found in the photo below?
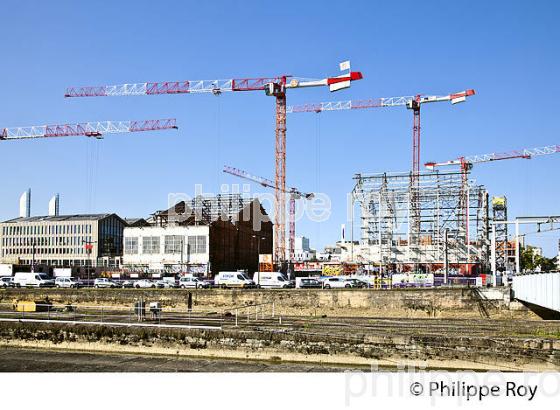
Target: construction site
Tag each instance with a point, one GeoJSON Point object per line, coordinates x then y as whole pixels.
{"type": "Point", "coordinates": [250, 221]}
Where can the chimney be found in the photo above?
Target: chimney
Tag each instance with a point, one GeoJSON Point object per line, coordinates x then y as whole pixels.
{"type": "Point", "coordinates": [54, 206]}
{"type": "Point", "coordinates": [25, 204]}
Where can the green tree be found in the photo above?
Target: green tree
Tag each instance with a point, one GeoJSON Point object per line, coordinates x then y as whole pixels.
{"type": "Point", "coordinates": [531, 261]}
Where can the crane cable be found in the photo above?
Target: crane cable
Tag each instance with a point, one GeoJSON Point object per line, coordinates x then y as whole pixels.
{"type": "Point", "coordinates": [218, 143]}
{"type": "Point", "coordinates": [318, 164]}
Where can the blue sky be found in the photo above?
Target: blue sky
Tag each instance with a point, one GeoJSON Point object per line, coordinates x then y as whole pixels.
{"type": "Point", "coordinates": [506, 50]}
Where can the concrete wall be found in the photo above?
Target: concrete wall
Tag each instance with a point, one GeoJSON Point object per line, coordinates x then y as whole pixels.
{"type": "Point", "coordinates": [421, 303]}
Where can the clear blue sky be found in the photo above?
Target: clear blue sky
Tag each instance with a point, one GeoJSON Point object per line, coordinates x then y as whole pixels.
{"type": "Point", "coordinates": [506, 50]}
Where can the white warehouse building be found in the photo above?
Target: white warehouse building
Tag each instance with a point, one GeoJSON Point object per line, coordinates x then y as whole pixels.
{"type": "Point", "coordinates": [170, 248]}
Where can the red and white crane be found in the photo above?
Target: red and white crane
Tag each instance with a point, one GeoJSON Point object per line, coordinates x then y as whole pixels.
{"type": "Point", "coordinates": [294, 195]}
{"type": "Point", "coordinates": [411, 102]}
{"type": "Point", "coordinates": [272, 86]}
{"type": "Point", "coordinates": [465, 164]}
{"type": "Point", "coordinates": [87, 129]}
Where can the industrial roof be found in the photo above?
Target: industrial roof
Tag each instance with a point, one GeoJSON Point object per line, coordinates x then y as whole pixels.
{"type": "Point", "coordinates": [61, 218]}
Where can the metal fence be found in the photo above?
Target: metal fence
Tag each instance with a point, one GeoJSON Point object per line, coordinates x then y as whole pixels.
{"type": "Point", "coordinates": [142, 314]}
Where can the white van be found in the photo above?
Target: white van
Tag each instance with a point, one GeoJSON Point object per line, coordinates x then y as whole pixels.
{"type": "Point", "coordinates": [233, 280]}
{"type": "Point", "coordinates": [39, 280]}
{"type": "Point", "coordinates": [271, 280]}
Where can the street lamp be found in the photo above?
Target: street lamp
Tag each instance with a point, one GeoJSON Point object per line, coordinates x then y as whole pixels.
{"type": "Point", "coordinates": [261, 238]}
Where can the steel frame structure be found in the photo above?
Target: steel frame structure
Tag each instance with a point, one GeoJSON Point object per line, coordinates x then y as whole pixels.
{"type": "Point", "coordinates": [88, 129]}
{"type": "Point", "coordinates": [388, 217]}
{"type": "Point", "coordinates": [500, 232]}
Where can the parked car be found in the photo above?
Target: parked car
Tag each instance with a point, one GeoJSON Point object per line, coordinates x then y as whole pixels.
{"type": "Point", "coordinates": [104, 283]}
{"type": "Point", "coordinates": [65, 282]}
{"type": "Point", "coordinates": [233, 280]}
{"type": "Point", "coordinates": [167, 283]}
{"type": "Point", "coordinates": [192, 282]}
{"type": "Point", "coordinates": [271, 280]}
{"type": "Point", "coordinates": [145, 283]}
{"type": "Point", "coordinates": [336, 282]}
{"type": "Point", "coordinates": [7, 282]}
{"type": "Point", "coordinates": [209, 283]}
{"type": "Point", "coordinates": [39, 280]}
{"type": "Point", "coordinates": [308, 283]}
{"type": "Point", "coordinates": [127, 284]}
{"type": "Point", "coordinates": [357, 283]}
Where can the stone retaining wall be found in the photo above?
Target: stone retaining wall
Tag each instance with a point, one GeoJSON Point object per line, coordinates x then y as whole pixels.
{"type": "Point", "coordinates": [421, 303]}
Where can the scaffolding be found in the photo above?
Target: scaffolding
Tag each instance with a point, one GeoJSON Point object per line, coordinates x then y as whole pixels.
{"type": "Point", "coordinates": [421, 221]}
{"type": "Point", "coordinates": [203, 210]}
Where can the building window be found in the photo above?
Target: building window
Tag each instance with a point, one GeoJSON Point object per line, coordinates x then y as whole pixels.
{"type": "Point", "coordinates": [173, 243]}
{"type": "Point", "coordinates": [197, 244]}
{"type": "Point", "coordinates": [131, 246]}
{"type": "Point", "coordinates": [150, 244]}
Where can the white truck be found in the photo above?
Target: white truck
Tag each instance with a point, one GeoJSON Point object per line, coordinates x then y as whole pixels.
{"type": "Point", "coordinates": [6, 269]}
{"type": "Point", "coordinates": [271, 280]}
{"type": "Point", "coordinates": [233, 280]}
{"type": "Point", "coordinates": [32, 279]}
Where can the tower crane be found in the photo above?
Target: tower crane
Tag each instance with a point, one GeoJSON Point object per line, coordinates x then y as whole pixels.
{"type": "Point", "coordinates": [413, 103]}
{"type": "Point", "coordinates": [410, 102]}
{"type": "Point", "coordinates": [294, 195]}
{"type": "Point", "coordinates": [87, 129]}
{"type": "Point", "coordinates": [465, 165]}
{"type": "Point", "coordinates": [272, 86]}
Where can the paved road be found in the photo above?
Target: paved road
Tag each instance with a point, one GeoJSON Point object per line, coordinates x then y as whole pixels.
{"type": "Point", "coordinates": [31, 360]}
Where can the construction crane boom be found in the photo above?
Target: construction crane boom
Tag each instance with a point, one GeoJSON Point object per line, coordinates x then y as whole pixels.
{"type": "Point", "coordinates": [88, 129]}
{"type": "Point", "coordinates": [294, 194]}
{"type": "Point", "coordinates": [208, 86]}
{"type": "Point", "coordinates": [406, 101]}
{"type": "Point", "coordinates": [272, 86]}
{"type": "Point", "coordinates": [525, 153]}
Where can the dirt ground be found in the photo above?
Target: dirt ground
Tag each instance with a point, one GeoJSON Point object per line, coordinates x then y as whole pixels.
{"type": "Point", "coordinates": [37, 360]}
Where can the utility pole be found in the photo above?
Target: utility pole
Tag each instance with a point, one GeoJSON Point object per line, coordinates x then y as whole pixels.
{"type": "Point", "coordinates": [446, 255]}
{"type": "Point", "coordinates": [33, 258]}
{"type": "Point", "coordinates": [89, 247]}
{"type": "Point", "coordinates": [493, 253]}
{"type": "Point", "coordinates": [182, 251]}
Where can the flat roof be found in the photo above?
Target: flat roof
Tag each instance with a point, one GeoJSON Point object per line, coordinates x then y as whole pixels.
{"type": "Point", "coordinates": [60, 218]}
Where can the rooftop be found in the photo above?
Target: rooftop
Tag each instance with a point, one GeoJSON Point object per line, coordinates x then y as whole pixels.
{"type": "Point", "coordinates": [60, 218]}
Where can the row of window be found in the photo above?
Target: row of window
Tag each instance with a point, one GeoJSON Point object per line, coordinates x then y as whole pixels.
{"type": "Point", "coordinates": [45, 251]}
{"type": "Point", "coordinates": [172, 244]}
{"type": "Point", "coordinates": [45, 241]}
{"type": "Point", "coordinates": [19, 230]}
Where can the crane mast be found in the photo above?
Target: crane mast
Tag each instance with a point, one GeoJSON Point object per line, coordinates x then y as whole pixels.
{"type": "Point", "coordinates": [273, 86]}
